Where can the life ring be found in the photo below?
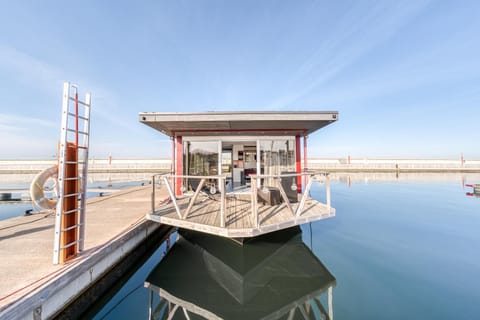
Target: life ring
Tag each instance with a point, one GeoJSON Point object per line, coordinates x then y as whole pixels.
{"type": "Point", "coordinates": [37, 188]}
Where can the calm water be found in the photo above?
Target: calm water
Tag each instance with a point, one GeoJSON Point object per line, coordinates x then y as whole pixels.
{"type": "Point", "coordinates": [396, 250]}
{"type": "Point", "coordinates": [22, 181]}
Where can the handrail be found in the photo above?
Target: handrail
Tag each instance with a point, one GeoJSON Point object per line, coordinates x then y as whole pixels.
{"type": "Point", "coordinates": [255, 185]}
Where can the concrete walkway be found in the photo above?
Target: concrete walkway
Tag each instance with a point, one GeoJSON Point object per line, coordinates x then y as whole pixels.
{"type": "Point", "coordinates": [26, 243]}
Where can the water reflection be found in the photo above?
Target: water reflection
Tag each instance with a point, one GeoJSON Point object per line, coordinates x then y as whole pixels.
{"type": "Point", "coordinates": [375, 177]}
{"type": "Point", "coordinates": [475, 189]}
{"type": "Point", "coordinates": [272, 277]}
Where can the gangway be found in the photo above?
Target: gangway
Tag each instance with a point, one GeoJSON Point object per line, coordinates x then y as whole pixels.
{"type": "Point", "coordinates": [72, 175]}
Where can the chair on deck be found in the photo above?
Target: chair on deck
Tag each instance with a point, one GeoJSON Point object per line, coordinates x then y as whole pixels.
{"type": "Point", "coordinates": [269, 196]}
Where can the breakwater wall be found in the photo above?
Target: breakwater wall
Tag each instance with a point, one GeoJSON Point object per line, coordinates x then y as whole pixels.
{"type": "Point", "coordinates": [94, 165]}
{"type": "Point", "coordinates": [393, 165]}
{"type": "Point", "coordinates": [323, 164]}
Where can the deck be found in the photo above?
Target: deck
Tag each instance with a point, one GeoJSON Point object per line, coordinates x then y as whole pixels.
{"type": "Point", "coordinates": [242, 216]}
{"type": "Point", "coordinates": [26, 248]}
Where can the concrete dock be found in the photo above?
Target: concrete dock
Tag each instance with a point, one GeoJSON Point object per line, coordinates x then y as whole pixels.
{"type": "Point", "coordinates": [33, 288]}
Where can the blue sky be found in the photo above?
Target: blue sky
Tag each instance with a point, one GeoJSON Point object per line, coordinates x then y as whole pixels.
{"type": "Point", "coordinates": [404, 75]}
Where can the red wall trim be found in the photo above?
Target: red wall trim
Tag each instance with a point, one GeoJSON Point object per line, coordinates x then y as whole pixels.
{"type": "Point", "coordinates": [179, 165]}
{"type": "Point", "coordinates": [298, 162]}
{"type": "Point", "coordinates": [305, 156]}
{"type": "Point", "coordinates": [173, 168]}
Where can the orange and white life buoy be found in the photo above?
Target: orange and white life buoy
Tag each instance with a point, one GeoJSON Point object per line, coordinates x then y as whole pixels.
{"type": "Point", "coordinates": [37, 188]}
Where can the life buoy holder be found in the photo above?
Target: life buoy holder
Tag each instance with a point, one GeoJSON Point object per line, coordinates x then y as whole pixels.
{"type": "Point", "coordinates": [37, 188]}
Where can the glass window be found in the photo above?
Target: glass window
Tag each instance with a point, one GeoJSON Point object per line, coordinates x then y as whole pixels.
{"type": "Point", "coordinates": [277, 157]}
{"type": "Point", "coordinates": [201, 158]}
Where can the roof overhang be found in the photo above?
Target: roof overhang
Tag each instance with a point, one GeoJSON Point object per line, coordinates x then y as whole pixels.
{"type": "Point", "coordinates": [238, 123]}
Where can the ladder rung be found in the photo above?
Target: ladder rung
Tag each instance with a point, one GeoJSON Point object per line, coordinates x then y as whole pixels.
{"type": "Point", "coordinates": [74, 178]}
{"type": "Point", "coordinates": [72, 195]}
{"type": "Point", "coordinates": [74, 162]}
{"type": "Point", "coordinates": [70, 244]}
{"type": "Point", "coordinates": [71, 211]}
{"type": "Point", "coordinates": [80, 132]}
{"type": "Point", "coordinates": [73, 146]}
{"type": "Point", "coordinates": [71, 227]}
{"type": "Point", "coordinates": [79, 117]}
{"type": "Point", "coordinates": [79, 102]}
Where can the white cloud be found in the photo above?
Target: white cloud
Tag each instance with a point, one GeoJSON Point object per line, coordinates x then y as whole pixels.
{"type": "Point", "coordinates": [15, 146]}
{"type": "Point", "coordinates": [24, 137]}
{"type": "Point", "coordinates": [15, 122]}
{"type": "Point", "coordinates": [30, 70]}
{"type": "Point", "coordinates": [349, 42]}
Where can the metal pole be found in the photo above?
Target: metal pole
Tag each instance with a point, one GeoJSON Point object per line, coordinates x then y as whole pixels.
{"type": "Point", "coordinates": [327, 185]}
{"type": "Point", "coordinates": [86, 144]}
{"type": "Point", "coordinates": [76, 116]}
{"type": "Point", "coordinates": [61, 173]}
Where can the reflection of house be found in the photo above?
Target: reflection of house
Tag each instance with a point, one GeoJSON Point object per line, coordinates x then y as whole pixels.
{"type": "Point", "coordinates": [476, 190]}
{"type": "Point", "coordinates": [272, 277]}
{"type": "Point", "coordinates": [258, 154]}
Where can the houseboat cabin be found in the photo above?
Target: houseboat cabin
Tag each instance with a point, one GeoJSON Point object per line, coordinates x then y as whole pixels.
{"type": "Point", "coordinates": [239, 174]}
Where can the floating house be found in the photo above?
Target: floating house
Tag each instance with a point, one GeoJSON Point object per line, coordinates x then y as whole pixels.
{"type": "Point", "coordinates": [239, 174]}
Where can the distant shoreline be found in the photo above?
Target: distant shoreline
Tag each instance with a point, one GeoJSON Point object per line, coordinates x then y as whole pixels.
{"type": "Point", "coordinates": [353, 165]}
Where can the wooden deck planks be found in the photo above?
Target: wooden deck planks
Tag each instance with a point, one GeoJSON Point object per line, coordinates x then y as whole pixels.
{"type": "Point", "coordinates": [239, 221]}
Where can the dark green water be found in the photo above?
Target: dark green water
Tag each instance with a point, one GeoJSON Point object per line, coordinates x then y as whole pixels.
{"type": "Point", "coordinates": [395, 250]}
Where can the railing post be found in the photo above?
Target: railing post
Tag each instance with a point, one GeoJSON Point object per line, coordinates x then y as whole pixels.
{"type": "Point", "coordinates": [150, 304]}
{"type": "Point", "coordinates": [254, 200]}
{"type": "Point", "coordinates": [304, 198]}
{"type": "Point", "coordinates": [283, 194]}
{"type": "Point", "coordinates": [330, 303]}
{"type": "Point", "coordinates": [153, 194]}
{"type": "Point", "coordinates": [222, 201]}
{"type": "Point", "coordinates": [172, 197]}
{"type": "Point", "coordinates": [327, 186]}
{"type": "Point", "coordinates": [194, 198]}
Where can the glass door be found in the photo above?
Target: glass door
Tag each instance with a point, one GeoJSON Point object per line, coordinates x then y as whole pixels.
{"type": "Point", "coordinates": [277, 157]}
{"type": "Point", "coordinates": [200, 159]}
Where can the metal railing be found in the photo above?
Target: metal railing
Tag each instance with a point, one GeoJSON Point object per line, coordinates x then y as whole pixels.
{"type": "Point", "coordinates": [256, 184]}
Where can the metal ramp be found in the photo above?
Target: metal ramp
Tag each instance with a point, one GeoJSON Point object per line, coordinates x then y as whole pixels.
{"type": "Point", "coordinates": [72, 175]}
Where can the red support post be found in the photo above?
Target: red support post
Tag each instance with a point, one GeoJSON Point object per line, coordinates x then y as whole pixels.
{"type": "Point", "coordinates": [305, 155]}
{"type": "Point", "coordinates": [172, 181]}
{"type": "Point", "coordinates": [298, 163]}
{"type": "Point", "coordinates": [305, 158]}
{"type": "Point", "coordinates": [179, 165]}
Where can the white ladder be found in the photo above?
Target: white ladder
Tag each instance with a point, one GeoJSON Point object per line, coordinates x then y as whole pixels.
{"type": "Point", "coordinates": [72, 175]}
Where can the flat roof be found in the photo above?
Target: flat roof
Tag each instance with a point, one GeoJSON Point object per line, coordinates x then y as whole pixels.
{"type": "Point", "coordinates": [238, 122]}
